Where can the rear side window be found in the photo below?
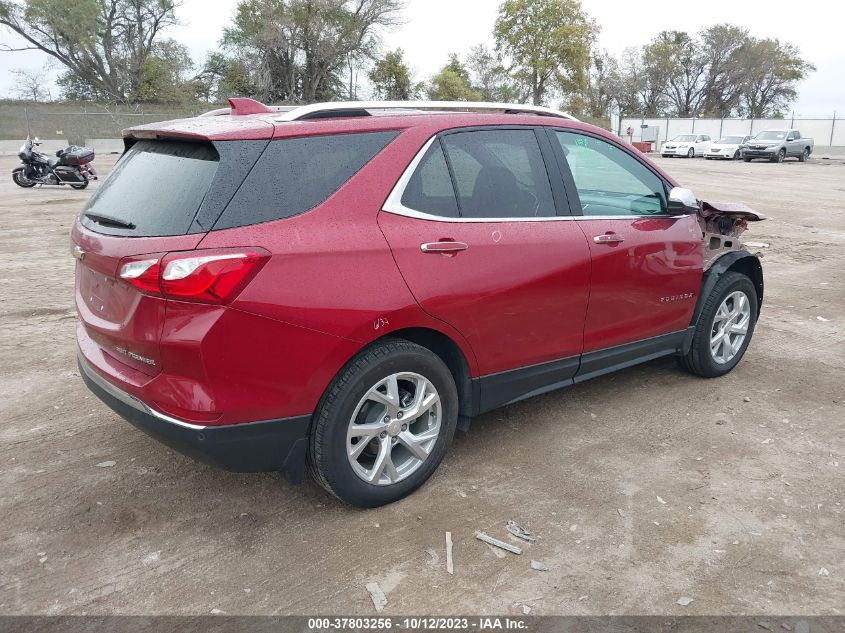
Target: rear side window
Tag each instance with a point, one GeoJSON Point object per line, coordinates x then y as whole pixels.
{"type": "Point", "coordinates": [430, 188]}
{"type": "Point", "coordinates": [295, 175]}
{"type": "Point", "coordinates": [155, 189]}
{"type": "Point", "coordinates": [499, 174]}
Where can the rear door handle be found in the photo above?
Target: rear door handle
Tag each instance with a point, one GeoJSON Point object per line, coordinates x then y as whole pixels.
{"type": "Point", "coordinates": [445, 246]}
{"type": "Point", "coordinates": [608, 238]}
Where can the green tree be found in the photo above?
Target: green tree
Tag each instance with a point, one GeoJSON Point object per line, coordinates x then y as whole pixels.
{"type": "Point", "coordinates": [221, 77]}
{"type": "Point", "coordinates": [548, 44]}
{"type": "Point", "coordinates": [720, 45]}
{"type": "Point", "coordinates": [675, 60]}
{"type": "Point", "coordinates": [770, 71]}
{"type": "Point", "coordinates": [490, 78]}
{"type": "Point", "coordinates": [299, 49]}
{"type": "Point", "coordinates": [166, 75]}
{"type": "Point", "coordinates": [452, 83]}
{"type": "Point", "coordinates": [391, 77]}
{"type": "Point", "coordinates": [104, 44]}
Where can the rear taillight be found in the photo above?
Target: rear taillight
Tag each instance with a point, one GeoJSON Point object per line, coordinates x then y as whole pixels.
{"type": "Point", "coordinates": [205, 276]}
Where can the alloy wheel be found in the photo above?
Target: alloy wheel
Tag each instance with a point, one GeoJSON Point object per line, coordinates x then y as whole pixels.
{"type": "Point", "coordinates": [394, 428]}
{"type": "Point", "coordinates": [730, 327]}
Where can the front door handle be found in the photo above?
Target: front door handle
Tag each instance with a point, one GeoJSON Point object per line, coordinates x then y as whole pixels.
{"type": "Point", "coordinates": [444, 246]}
{"type": "Point", "coordinates": [608, 238]}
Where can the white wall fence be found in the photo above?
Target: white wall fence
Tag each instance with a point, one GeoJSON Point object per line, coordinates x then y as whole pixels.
{"type": "Point", "coordinates": [824, 132]}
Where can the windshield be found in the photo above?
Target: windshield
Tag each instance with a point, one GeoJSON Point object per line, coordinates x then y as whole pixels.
{"type": "Point", "coordinates": [686, 138]}
{"type": "Point", "coordinates": [771, 135]}
{"type": "Point", "coordinates": [730, 140]}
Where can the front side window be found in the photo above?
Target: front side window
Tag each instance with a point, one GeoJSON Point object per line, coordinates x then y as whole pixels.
{"type": "Point", "coordinates": [609, 180]}
{"type": "Point", "coordinates": [499, 174]}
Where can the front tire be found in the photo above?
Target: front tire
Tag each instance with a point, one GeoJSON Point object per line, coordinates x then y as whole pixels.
{"type": "Point", "coordinates": [691, 153]}
{"type": "Point", "coordinates": [724, 329]}
{"type": "Point", "coordinates": [21, 180]}
{"type": "Point", "coordinates": [780, 156]}
{"type": "Point", "coordinates": [384, 424]}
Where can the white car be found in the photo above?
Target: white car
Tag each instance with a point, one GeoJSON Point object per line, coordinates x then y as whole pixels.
{"type": "Point", "coordinates": [689, 145]}
{"type": "Point", "coordinates": [729, 147]}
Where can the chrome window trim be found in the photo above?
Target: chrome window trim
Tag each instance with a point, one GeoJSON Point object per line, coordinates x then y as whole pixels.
{"type": "Point", "coordinates": [127, 398]}
{"type": "Point", "coordinates": [394, 205]}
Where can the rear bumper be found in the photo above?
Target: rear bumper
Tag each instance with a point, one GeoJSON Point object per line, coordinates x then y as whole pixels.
{"type": "Point", "coordinates": [269, 445]}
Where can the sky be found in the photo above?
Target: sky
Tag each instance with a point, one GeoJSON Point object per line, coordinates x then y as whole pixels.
{"type": "Point", "coordinates": [434, 28]}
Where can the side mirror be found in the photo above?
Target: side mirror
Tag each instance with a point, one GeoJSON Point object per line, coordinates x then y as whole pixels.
{"type": "Point", "coordinates": [682, 201]}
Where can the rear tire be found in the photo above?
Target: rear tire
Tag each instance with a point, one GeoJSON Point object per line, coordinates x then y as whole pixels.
{"type": "Point", "coordinates": [804, 155]}
{"type": "Point", "coordinates": [736, 155]}
{"type": "Point", "coordinates": [724, 329]}
{"type": "Point", "coordinates": [397, 448]}
{"type": "Point", "coordinates": [691, 153]}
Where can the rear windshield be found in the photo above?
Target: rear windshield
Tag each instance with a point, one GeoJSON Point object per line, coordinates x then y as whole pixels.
{"type": "Point", "coordinates": [155, 189]}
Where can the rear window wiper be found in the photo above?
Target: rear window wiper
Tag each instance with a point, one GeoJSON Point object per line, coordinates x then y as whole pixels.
{"type": "Point", "coordinates": [105, 219]}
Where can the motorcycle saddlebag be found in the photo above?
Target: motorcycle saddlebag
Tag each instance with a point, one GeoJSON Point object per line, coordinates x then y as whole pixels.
{"type": "Point", "coordinates": [75, 156]}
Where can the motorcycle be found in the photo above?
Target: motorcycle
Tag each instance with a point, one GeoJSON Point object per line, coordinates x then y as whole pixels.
{"type": "Point", "coordinates": [72, 166]}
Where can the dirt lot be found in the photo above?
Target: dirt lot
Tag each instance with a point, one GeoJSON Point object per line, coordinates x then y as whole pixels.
{"type": "Point", "coordinates": [642, 487]}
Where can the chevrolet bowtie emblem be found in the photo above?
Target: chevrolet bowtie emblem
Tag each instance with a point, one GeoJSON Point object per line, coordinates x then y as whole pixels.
{"type": "Point", "coordinates": [77, 252]}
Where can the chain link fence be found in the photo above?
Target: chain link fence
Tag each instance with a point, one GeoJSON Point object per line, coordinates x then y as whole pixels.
{"type": "Point", "coordinates": [77, 122]}
{"type": "Point", "coordinates": [828, 133]}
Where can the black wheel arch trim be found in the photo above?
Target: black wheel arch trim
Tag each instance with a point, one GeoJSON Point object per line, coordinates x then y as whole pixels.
{"type": "Point", "coordinates": [738, 261]}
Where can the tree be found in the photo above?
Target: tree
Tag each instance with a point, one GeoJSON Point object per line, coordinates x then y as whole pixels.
{"type": "Point", "coordinates": [452, 83]}
{"type": "Point", "coordinates": [221, 77]}
{"type": "Point", "coordinates": [300, 49]}
{"type": "Point", "coordinates": [770, 71]}
{"type": "Point", "coordinates": [447, 85]}
{"type": "Point", "coordinates": [548, 43]}
{"type": "Point", "coordinates": [30, 84]}
{"type": "Point", "coordinates": [490, 79]}
{"type": "Point", "coordinates": [391, 77]}
{"type": "Point", "coordinates": [165, 77]}
{"type": "Point", "coordinates": [604, 86]}
{"type": "Point", "coordinates": [674, 60]}
{"type": "Point", "coordinates": [105, 44]}
{"type": "Point", "coordinates": [723, 81]}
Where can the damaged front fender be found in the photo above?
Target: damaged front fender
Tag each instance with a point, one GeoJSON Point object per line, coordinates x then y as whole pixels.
{"type": "Point", "coordinates": [722, 223]}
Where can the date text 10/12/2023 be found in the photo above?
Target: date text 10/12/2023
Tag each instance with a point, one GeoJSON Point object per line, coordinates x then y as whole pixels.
{"type": "Point", "coordinates": [421, 623]}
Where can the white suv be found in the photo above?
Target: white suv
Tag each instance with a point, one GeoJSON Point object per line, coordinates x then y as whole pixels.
{"type": "Point", "coordinates": [689, 145]}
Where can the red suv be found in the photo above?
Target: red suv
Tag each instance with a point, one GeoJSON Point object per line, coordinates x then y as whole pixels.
{"type": "Point", "coordinates": [344, 285]}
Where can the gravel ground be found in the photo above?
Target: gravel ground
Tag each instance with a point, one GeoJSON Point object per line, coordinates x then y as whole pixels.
{"type": "Point", "coordinates": [642, 487]}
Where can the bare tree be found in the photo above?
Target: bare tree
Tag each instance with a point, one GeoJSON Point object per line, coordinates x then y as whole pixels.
{"type": "Point", "coordinates": [31, 84]}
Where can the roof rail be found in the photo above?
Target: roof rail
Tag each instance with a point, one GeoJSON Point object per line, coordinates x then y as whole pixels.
{"type": "Point", "coordinates": [361, 108]}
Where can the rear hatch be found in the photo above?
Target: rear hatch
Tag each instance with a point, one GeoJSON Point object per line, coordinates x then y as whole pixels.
{"type": "Point", "coordinates": [162, 196]}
